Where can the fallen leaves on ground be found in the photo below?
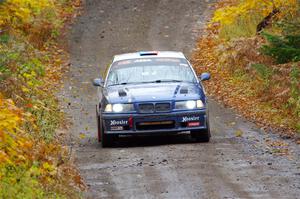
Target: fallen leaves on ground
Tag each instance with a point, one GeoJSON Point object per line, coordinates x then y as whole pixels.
{"type": "Point", "coordinates": [33, 163]}
{"type": "Point", "coordinates": [245, 79]}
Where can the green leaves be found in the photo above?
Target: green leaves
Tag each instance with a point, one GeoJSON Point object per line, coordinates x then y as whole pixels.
{"type": "Point", "coordinates": [282, 48]}
{"type": "Point", "coordinates": [4, 38]}
{"type": "Point", "coordinates": [263, 71]}
{"type": "Point", "coordinates": [242, 62]}
{"type": "Point", "coordinates": [294, 100]}
{"type": "Point", "coordinates": [30, 70]}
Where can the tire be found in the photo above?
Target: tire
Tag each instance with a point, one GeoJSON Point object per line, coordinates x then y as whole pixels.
{"type": "Point", "coordinates": [106, 140]}
{"type": "Point", "coordinates": [202, 135]}
{"type": "Point", "coordinates": [99, 128]}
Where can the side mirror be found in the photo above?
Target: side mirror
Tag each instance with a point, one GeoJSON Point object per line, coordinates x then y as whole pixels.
{"type": "Point", "coordinates": [204, 76]}
{"type": "Point", "coordinates": [98, 82]}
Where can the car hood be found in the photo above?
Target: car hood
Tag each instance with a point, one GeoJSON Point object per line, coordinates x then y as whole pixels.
{"type": "Point", "coordinates": [153, 92]}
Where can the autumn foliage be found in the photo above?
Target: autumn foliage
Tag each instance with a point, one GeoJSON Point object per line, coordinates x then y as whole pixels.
{"type": "Point", "coordinates": [33, 163]}
{"type": "Point", "coordinates": [244, 62]}
{"type": "Point", "coordinates": [241, 18]}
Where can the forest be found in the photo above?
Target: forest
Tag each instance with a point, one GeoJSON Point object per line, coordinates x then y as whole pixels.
{"type": "Point", "coordinates": [252, 49]}
{"type": "Point", "coordinates": [33, 161]}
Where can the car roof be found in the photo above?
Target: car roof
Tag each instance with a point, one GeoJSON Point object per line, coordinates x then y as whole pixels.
{"type": "Point", "coordinates": [149, 54]}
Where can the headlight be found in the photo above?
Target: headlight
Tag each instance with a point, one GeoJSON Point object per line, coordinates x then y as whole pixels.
{"type": "Point", "coordinates": [119, 108]}
{"type": "Point", "coordinates": [190, 104]}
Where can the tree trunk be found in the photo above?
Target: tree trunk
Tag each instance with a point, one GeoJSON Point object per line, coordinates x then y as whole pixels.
{"type": "Point", "coordinates": [266, 21]}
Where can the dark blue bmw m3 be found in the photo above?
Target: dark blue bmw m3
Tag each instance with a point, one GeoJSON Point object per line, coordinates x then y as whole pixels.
{"type": "Point", "coordinates": [151, 92]}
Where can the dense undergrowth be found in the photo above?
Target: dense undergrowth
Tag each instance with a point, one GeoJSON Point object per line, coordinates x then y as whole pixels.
{"type": "Point", "coordinates": [33, 163]}
{"type": "Point", "coordinates": [252, 49]}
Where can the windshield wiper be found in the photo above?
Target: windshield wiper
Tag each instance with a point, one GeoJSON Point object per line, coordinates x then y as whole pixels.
{"type": "Point", "coordinates": [167, 80]}
{"type": "Point", "coordinates": [156, 81]}
{"type": "Point", "coordinates": [123, 83]}
{"type": "Point", "coordinates": [161, 80]}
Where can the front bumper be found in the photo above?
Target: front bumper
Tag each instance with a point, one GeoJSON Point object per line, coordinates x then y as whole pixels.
{"type": "Point", "coordinates": [156, 123]}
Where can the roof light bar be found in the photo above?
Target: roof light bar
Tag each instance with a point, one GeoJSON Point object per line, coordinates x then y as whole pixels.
{"type": "Point", "coordinates": [148, 53]}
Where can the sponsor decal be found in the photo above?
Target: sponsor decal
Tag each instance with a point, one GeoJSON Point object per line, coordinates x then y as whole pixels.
{"type": "Point", "coordinates": [118, 122]}
{"type": "Point", "coordinates": [142, 60]}
{"type": "Point", "coordinates": [167, 60]}
{"type": "Point", "coordinates": [117, 128]}
{"type": "Point", "coordinates": [184, 65]}
{"type": "Point", "coordinates": [124, 62]}
{"type": "Point", "coordinates": [192, 124]}
{"type": "Point", "coordinates": [190, 118]}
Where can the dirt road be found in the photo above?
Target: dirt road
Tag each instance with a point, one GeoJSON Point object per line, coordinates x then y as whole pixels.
{"type": "Point", "coordinates": [230, 166]}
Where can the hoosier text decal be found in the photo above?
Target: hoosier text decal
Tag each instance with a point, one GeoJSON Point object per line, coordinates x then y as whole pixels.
{"type": "Point", "coordinates": [190, 118]}
{"type": "Point", "coordinates": [118, 122]}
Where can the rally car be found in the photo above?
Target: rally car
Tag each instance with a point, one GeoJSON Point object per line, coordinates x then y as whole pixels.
{"type": "Point", "coordinates": [151, 92]}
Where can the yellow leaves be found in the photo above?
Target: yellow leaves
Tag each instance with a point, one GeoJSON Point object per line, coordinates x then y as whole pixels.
{"type": "Point", "coordinates": [251, 11]}
{"type": "Point", "coordinates": [25, 89]}
{"type": "Point", "coordinates": [13, 12]}
{"type": "Point", "coordinates": [4, 158]}
{"type": "Point", "coordinates": [9, 115]}
{"type": "Point", "coordinates": [48, 167]}
{"type": "Point", "coordinates": [19, 151]}
{"type": "Point", "coordinates": [14, 145]}
{"type": "Point", "coordinates": [82, 135]}
{"type": "Point", "coordinates": [30, 75]}
{"type": "Point", "coordinates": [230, 62]}
{"type": "Point", "coordinates": [28, 147]}
{"type": "Point", "coordinates": [10, 119]}
{"type": "Point", "coordinates": [226, 15]}
{"type": "Point", "coordinates": [239, 133]}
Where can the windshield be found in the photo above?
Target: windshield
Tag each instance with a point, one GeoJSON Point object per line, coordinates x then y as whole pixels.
{"type": "Point", "coordinates": [148, 70]}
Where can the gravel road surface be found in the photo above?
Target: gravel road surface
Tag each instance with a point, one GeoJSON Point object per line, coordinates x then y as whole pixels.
{"type": "Point", "coordinates": [241, 161]}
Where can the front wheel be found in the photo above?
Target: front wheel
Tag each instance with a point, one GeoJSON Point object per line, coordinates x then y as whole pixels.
{"type": "Point", "coordinates": [99, 128]}
{"type": "Point", "coordinates": [202, 135]}
{"type": "Point", "coordinates": [106, 140]}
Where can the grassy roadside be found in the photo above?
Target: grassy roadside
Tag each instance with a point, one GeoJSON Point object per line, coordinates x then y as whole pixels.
{"type": "Point", "coordinates": [33, 163]}
{"type": "Point", "coordinates": [255, 70]}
